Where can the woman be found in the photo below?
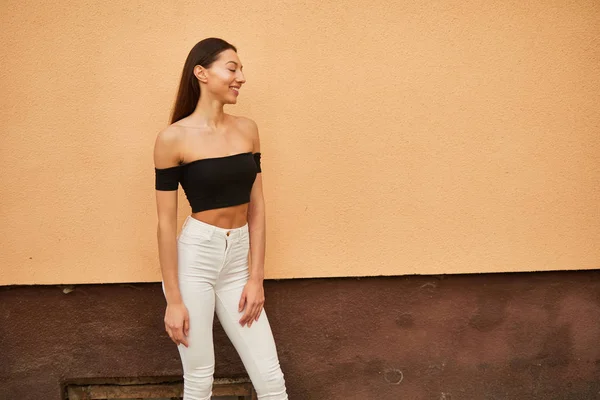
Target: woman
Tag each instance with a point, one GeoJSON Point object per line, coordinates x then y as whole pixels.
{"type": "Point", "coordinates": [216, 262]}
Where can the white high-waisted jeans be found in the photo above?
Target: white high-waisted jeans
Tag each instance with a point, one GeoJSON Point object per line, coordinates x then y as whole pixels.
{"type": "Point", "coordinates": [213, 269]}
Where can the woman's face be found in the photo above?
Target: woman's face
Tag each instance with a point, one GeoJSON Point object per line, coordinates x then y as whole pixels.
{"type": "Point", "coordinates": [224, 78]}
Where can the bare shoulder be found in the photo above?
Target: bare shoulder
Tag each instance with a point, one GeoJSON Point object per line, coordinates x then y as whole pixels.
{"type": "Point", "coordinates": [170, 134]}
{"type": "Point", "coordinates": [250, 129]}
{"type": "Point", "coordinates": [247, 123]}
{"type": "Point", "coordinates": [167, 145]}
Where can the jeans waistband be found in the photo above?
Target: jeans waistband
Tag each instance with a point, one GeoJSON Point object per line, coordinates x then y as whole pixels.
{"type": "Point", "coordinates": [197, 225]}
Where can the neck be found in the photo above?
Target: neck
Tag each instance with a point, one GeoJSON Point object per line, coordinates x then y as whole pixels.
{"type": "Point", "coordinates": [208, 112]}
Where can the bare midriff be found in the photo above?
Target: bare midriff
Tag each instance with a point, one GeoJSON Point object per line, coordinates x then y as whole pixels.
{"type": "Point", "coordinates": [226, 217]}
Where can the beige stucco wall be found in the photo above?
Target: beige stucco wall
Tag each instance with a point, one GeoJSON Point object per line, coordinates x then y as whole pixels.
{"type": "Point", "coordinates": [397, 137]}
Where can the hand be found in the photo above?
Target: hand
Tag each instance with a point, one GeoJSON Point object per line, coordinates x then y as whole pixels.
{"type": "Point", "coordinates": [177, 323]}
{"type": "Point", "coordinates": [253, 298]}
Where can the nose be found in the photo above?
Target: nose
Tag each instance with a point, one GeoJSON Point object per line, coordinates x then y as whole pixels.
{"type": "Point", "coordinates": [240, 77]}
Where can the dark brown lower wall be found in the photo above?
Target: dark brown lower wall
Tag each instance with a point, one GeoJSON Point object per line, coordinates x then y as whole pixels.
{"type": "Point", "coordinates": [449, 337]}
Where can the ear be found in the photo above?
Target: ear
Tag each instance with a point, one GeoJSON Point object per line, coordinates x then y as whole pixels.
{"type": "Point", "coordinates": [200, 73]}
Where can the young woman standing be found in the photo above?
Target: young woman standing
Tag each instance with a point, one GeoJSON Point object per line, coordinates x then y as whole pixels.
{"type": "Point", "coordinates": [216, 262]}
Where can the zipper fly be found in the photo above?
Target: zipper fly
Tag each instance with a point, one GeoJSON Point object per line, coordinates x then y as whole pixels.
{"type": "Point", "coordinates": [226, 248]}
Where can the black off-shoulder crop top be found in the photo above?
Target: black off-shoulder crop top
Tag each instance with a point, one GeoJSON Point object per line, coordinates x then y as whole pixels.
{"type": "Point", "coordinates": [211, 183]}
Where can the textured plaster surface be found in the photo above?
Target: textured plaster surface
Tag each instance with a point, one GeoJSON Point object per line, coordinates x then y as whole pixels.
{"type": "Point", "coordinates": [397, 137]}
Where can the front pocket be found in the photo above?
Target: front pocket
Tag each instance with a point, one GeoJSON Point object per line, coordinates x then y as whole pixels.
{"type": "Point", "coordinates": [245, 239]}
{"type": "Point", "coordinates": [189, 237]}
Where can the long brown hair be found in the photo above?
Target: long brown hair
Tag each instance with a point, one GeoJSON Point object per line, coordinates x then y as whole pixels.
{"type": "Point", "coordinates": [204, 53]}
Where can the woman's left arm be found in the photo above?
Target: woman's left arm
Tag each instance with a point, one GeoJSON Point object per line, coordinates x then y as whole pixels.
{"type": "Point", "coordinates": [253, 297]}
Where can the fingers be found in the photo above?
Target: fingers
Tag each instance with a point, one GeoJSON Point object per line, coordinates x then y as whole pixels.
{"type": "Point", "coordinates": [253, 314]}
{"type": "Point", "coordinates": [181, 337]}
{"type": "Point", "coordinates": [242, 302]}
{"type": "Point", "coordinates": [241, 306]}
{"type": "Point", "coordinates": [179, 332]}
{"type": "Point", "coordinates": [258, 313]}
{"type": "Point", "coordinates": [177, 335]}
{"type": "Point", "coordinates": [169, 333]}
{"type": "Point", "coordinates": [172, 334]}
{"type": "Point", "coordinates": [186, 326]}
{"type": "Point", "coordinates": [177, 324]}
{"type": "Point", "coordinates": [245, 317]}
{"type": "Point", "coordinates": [253, 311]}
{"type": "Point", "coordinates": [259, 310]}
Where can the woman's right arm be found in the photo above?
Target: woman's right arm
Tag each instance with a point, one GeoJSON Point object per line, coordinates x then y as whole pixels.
{"type": "Point", "coordinates": [166, 155]}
